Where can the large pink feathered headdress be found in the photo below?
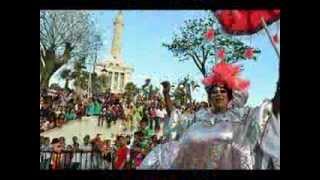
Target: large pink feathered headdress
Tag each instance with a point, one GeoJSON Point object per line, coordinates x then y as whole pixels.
{"type": "Point", "coordinates": [227, 74]}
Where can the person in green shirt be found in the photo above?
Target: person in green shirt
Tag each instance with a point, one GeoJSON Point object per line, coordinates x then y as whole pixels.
{"type": "Point", "coordinates": [90, 108]}
{"type": "Point", "coordinates": [97, 107]}
{"type": "Point", "coordinates": [70, 114]}
{"type": "Point", "coordinates": [147, 132]}
{"type": "Point", "coordinates": [137, 114]}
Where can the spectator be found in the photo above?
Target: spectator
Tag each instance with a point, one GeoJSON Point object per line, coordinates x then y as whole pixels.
{"type": "Point", "coordinates": [152, 116]}
{"type": "Point", "coordinates": [45, 109]}
{"type": "Point", "coordinates": [137, 113]}
{"type": "Point", "coordinates": [87, 155]}
{"type": "Point", "coordinates": [147, 132]}
{"type": "Point", "coordinates": [97, 107]}
{"type": "Point", "coordinates": [138, 155]}
{"type": "Point", "coordinates": [62, 141]}
{"type": "Point", "coordinates": [56, 155]}
{"type": "Point", "coordinates": [90, 107]}
{"type": "Point", "coordinates": [52, 120]}
{"type": "Point", "coordinates": [102, 117]}
{"type": "Point", "coordinates": [46, 154]}
{"type": "Point", "coordinates": [75, 162]}
{"type": "Point", "coordinates": [60, 120]}
{"type": "Point", "coordinates": [96, 156]}
{"type": "Point", "coordinates": [68, 157]}
{"type": "Point", "coordinates": [154, 141]}
{"type": "Point", "coordinates": [70, 114]}
{"type": "Point", "coordinates": [44, 126]}
{"type": "Point", "coordinates": [121, 154]}
{"type": "Point", "coordinates": [106, 155]}
{"type": "Point", "coordinates": [109, 116]}
{"type": "Point", "coordinates": [160, 113]}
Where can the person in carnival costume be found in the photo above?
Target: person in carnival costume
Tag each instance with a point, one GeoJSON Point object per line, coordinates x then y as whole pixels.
{"type": "Point", "coordinates": [228, 135]}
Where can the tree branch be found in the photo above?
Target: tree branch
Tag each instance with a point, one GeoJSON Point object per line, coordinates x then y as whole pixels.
{"type": "Point", "coordinates": [196, 62]}
{"type": "Point", "coordinates": [201, 64]}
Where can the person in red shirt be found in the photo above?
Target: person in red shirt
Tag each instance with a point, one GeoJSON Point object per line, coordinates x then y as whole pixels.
{"type": "Point", "coordinates": [121, 154]}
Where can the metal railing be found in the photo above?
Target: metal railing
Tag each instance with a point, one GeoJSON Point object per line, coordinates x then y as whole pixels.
{"type": "Point", "coordinates": [75, 160]}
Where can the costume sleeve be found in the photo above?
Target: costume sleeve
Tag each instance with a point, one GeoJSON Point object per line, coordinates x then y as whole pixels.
{"type": "Point", "coordinates": [270, 141]}
{"type": "Point", "coordinates": [239, 99]}
{"type": "Point", "coordinates": [161, 157]}
{"type": "Point", "coordinates": [262, 128]}
{"type": "Point", "coordinates": [176, 125]}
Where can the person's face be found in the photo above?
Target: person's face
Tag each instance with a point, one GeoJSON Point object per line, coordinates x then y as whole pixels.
{"type": "Point", "coordinates": [108, 143]}
{"type": "Point", "coordinates": [154, 139]}
{"type": "Point", "coordinates": [143, 124]}
{"type": "Point", "coordinates": [219, 97]}
{"type": "Point", "coordinates": [122, 141]}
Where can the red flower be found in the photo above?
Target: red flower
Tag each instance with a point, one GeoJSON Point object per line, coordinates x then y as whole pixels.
{"type": "Point", "coordinates": [275, 39]}
{"type": "Point", "coordinates": [209, 35]}
{"type": "Point", "coordinates": [221, 53]}
{"type": "Point", "coordinates": [248, 53]}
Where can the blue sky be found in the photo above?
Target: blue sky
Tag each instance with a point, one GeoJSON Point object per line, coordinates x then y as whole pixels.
{"type": "Point", "coordinates": [144, 32]}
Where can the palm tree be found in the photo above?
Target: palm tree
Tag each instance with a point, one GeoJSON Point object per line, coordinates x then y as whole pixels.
{"type": "Point", "coordinates": [189, 85]}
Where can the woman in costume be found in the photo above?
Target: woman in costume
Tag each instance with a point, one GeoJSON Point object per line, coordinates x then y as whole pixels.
{"type": "Point", "coordinates": [228, 135]}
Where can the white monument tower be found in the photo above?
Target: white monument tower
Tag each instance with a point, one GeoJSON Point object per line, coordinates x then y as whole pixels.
{"type": "Point", "coordinates": [118, 73]}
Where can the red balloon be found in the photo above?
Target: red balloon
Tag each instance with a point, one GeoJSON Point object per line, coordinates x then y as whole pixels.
{"type": "Point", "coordinates": [245, 22]}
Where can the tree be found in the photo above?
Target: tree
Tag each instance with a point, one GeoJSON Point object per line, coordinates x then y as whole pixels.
{"type": "Point", "coordinates": [64, 35]}
{"type": "Point", "coordinates": [190, 44]}
{"type": "Point", "coordinates": [179, 94]}
{"type": "Point", "coordinates": [79, 74]}
{"type": "Point", "coordinates": [66, 75]}
{"type": "Point", "coordinates": [96, 85]}
{"type": "Point", "coordinates": [55, 86]}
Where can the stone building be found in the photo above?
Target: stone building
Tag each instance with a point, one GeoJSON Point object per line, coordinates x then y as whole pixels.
{"type": "Point", "coordinates": [118, 73]}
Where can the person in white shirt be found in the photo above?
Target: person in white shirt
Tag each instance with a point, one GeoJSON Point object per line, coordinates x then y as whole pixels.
{"type": "Point", "coordinates": [160, 114]}
{"type": "Point", "coordinates": [46, 155]}
{"type": "Point", "coordinates": [86, 149]}
{"type": "Point", "coordinates": [76, 158]}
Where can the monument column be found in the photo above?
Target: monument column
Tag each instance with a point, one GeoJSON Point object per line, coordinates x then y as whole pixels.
{"type": "Point", "coordinates": [111, 82]}
{"type": "Point", "coordinates": [117, 37]}
{"type": "Point", "coordinates": [119, 81]}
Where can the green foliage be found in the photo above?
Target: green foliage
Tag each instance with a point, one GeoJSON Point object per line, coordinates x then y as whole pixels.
{"type": "Point", "coordinates": [131, 90]}
{"type": "Point", "coordinates": [182, 92]}
{"type": "Point", "coordinates": [190, 44]}
{"type": "Point", "coordinates": [64, 36]}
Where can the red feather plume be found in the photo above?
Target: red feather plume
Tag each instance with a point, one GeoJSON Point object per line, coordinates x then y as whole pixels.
{"type": "Point", "coordinates": [227, 74]}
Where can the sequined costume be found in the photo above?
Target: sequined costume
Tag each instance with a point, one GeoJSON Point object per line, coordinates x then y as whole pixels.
{"type": "Point", "coordinates": [227, 140]}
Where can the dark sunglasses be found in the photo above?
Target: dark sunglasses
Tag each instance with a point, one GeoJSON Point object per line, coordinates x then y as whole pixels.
{"type": "Point", "coordinates": [216, 91]}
